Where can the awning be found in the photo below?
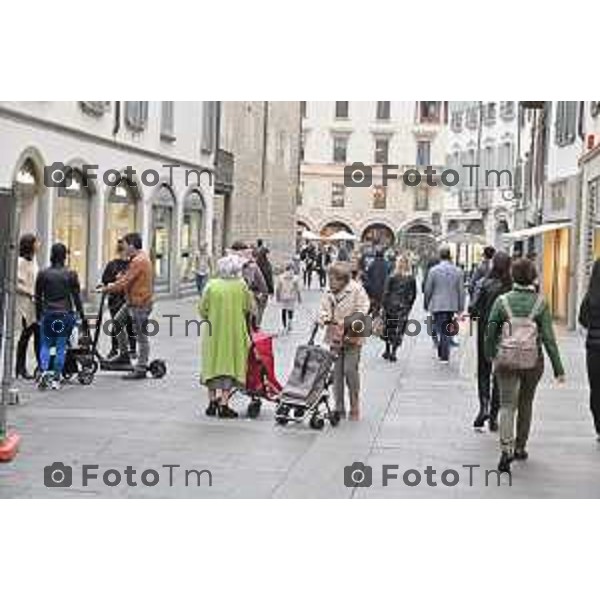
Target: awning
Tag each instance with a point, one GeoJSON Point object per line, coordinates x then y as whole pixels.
{"type": "Point", "coordinates": [522, 234]}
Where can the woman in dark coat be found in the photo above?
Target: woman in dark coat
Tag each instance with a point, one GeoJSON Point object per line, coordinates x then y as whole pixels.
{"type": "Point", "coordinates": [497, 282]}
{"type": "Point", "coordinates": [589, 317]}
{"type": "Point", "coordinates": [398, 298]}
{"type": "Point", "coordinates": [375, 281]}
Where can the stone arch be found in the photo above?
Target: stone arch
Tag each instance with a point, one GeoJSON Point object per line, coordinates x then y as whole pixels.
{"type": "Point", "coordinates": [34, 199]}
{"type": "Point", "coordinates": [334, 224]}
{"type": "Point", "coordinates": [378, 233]}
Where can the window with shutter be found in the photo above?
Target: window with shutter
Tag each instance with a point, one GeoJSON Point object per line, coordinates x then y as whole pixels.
{"type": "Point", "coordinates": [209, 126]}
{"type": "Point", "coordinates": [136, 114]}
{"type": "Point", "coordinates": [383, 110]}
{"type": "Point", "coordinates": [167, 122]}
{"type": "Point", "coordinates": [96, 108]}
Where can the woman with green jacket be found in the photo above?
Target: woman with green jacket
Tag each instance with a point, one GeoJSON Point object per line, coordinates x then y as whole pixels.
{"type": "Point", "coordinates": [518, 387]}
{"type": "Point", "coordinates": [226, 304]}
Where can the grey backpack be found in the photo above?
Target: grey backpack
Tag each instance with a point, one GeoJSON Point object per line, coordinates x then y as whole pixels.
{"type": "Point", "coordinates": [519, 346]}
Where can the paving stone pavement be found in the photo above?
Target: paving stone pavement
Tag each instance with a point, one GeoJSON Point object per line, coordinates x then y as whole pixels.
{"type": "Point", "coordinates": [416, 413]}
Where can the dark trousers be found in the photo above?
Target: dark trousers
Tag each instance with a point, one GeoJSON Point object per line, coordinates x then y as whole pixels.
{"type": "Point", "coordinates": [442, 319]}
{"type": "Point", "coordinates": [27, 331]}
{"type": "Point", "coordinates": [286, 316]}
{"type": "Point", "coordinates": [593, 368]}
{"type": "Point", "coordinates": [487, 384]}
{"type": "Point", "coordinates": [113, 309]}
{"type": "Point", "coordinates": [322, 278]}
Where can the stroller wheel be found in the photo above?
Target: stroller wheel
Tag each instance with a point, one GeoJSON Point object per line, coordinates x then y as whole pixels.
{"type": "Point", "coordinates": [85, 377]}
{"type": "Point", "coordinates": [335, 418]}
{"type": "Point", "coordinates": [281, 414]}
{"type": "Point", "coordinates": [158, 369]}
{"type": "Point", "coordinates": [317, 421]}
{"type": "Point", "coordinates": [253, 409]}
{"type": "Point", "coordinates": [95, 365]}
{"type": "Point", "coordinates": [299, 412]}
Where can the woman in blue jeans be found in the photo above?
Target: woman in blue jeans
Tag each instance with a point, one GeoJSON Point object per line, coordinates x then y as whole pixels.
{"type": "Point", "coordinates": [57, 297]}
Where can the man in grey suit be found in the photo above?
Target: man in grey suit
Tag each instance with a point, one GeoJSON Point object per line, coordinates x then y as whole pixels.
{"type": "Point", "coordinates": [445, 297]}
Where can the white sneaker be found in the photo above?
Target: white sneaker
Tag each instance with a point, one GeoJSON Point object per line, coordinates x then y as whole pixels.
{"type": "Point", "coordinates": [55, 384]}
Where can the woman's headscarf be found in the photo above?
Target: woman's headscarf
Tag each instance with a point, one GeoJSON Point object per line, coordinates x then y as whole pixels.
{"type": "Point", "coordinates": [230, 266]}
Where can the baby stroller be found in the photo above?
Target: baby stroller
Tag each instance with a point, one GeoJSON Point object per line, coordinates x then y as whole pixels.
{"type": "Point", "coordinates": [306, 391]}
{"type": "Point", "coordinates": [80, 361]}
{"type": "Point", "coordinates": [261, 382]}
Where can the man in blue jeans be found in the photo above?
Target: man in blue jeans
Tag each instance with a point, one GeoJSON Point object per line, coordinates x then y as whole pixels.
{"type": "Point", "coordinates": [444, 298]}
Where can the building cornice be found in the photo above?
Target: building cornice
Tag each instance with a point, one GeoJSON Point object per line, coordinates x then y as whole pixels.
{"type": "Point", "coordinates": [108, 142]}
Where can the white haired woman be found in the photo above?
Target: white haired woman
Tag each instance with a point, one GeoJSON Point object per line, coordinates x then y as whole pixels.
{"type": "Point", "coordinates": [226, 304]}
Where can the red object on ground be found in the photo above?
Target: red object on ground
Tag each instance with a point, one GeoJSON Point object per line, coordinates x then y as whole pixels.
{"type": "Point", "coordinates": [261, 357]}
{"type": "Point", "coordinates": [9, 446]}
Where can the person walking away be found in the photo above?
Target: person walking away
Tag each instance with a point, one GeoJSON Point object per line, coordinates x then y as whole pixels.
{"type": "Point", "coordinates": [343, 255]}
{"type": "Point", "coordinates": [27, 271]}
{"type": "Point", "coordinates": [287, 293]}
{"type": "Point", "coordinates": [114, 268]}
{"type": "Point", "coordinates": [398, 299]}
{"type": "Point", "coordinates": [482, 270]}
{"type": "Point", "coordinates": [254, 280]}
{"type": "Point", "coordinates": [444, 298]}
{"type": "Point", "coordinates": [320, 268]}
{"type": "Point", "coordinates": [261, 256]}
{"type": "Point", "coordinates": [310, 265]}
{"type": "Point", "coordinates": [589, 317]}
{"type": "Point", "coordinates": [345, 298]}
{"type": "Point", "coordinates": [376, 276]}
{"type": "Point", "coordinates": [57, 303]}
{"type": "Point", "coordinates": [227, 305]}
{"type": "Point", "coordinates": [516, 351]}
{"type": "Point", "coordinates": [137, 283]}
{"type": "Point", "coordinates": [498, 282]}
{"type": "Point", "coordinates": [202, 267]}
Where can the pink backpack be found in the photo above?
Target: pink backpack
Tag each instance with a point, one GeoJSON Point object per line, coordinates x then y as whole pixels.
{"type": "Point", "coordinates": [519, 345]}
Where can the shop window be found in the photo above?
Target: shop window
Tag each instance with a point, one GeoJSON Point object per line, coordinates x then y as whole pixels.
{"type": "Point", "coordinates": [71, 224]}
{"type": "Point", "coordinates": [120, 216]}
{"type": "Point", "coordinates": [162, 236]}
{"type": "Point", "coordinates": [192, 234]}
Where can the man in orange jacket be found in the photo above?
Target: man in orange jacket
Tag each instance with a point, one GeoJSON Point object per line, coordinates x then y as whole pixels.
{"type": "Point", "coordinates": [137, 283]}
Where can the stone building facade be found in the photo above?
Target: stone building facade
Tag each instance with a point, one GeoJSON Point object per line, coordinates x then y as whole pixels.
{"type": "Point", "coordinates": [136, 165]}
{"type": "Point", "coordinates": [410, 135]}
{"type": "Point", "coordinates": [261, 140]}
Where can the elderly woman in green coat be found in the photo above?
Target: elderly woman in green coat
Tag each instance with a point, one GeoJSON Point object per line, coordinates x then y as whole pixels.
{"type": "Point", "coordinates": [226, 304]}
